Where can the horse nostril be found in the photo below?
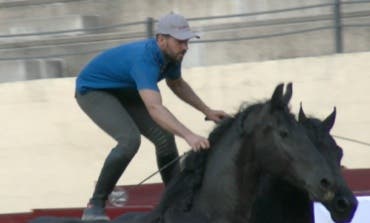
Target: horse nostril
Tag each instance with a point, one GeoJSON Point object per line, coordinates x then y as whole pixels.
{"type": "Point", "coordinates": [325, 183]}
{"type": "Point", "coordinates": [342, 204]}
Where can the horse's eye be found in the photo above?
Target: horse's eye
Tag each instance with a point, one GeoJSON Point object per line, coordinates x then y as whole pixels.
{"type": "Point", "coordinates": [283, 133]}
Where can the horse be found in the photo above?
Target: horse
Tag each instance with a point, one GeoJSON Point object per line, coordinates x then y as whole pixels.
{"type": "Point", "coordinates": [262, 138]}
{"type": "Point", "coordinates": [280, 202]}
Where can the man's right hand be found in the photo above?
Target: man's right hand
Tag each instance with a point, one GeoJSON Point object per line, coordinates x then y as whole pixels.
{"type": "Point", "coordinates": [197, 142]}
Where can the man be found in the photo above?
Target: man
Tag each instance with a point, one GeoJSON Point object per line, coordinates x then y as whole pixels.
{"type": "Point", "coordinates": [118, 91]}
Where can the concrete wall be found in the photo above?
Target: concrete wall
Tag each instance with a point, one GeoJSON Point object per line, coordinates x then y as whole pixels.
{"type": "Point", "coordinates": [21, 70]}
{"type": "Point", "coordinates": [75, 48]}
{"type": "Point", "coordinates": [206, 54]}
{"type": "Point", "coordinates": [51, 153]}
{"type": "Point", "coordinates": [48, 24]}
{"type": "Point", "coordinates": [113, 11]}
{"type": "Point", "coordinates": [122, 11]}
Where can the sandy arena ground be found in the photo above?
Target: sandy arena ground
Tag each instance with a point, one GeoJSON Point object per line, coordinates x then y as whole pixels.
{"type": "Point", "coordinates": [51, 153]}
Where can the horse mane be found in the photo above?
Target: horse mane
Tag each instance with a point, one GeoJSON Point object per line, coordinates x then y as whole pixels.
{"type": "Point", "coordinates": [244, 110]}
{"type": "Point", "coordinates": [181, 190]}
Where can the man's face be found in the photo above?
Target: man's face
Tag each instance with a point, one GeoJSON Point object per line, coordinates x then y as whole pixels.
{"type": "Point", "coordinates": [173, 49]}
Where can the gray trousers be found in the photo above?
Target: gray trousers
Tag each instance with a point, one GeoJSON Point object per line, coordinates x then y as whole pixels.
{"type": "Point", "coordinates": [123, 115]}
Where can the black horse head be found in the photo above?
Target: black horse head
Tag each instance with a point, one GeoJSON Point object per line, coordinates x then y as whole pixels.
{"type": "Point", "coordinates": [343, 204]}
{"type": "Point", "coordinates": [282, 147]}
{"type": "Point", "coordinates": [280, 201]}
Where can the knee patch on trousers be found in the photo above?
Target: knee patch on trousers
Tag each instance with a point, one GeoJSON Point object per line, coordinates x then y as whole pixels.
{"type": "Point", "coordinates": [128, 147]}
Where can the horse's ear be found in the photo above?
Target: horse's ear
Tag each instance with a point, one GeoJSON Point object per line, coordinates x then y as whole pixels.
{"type": "Point", "coordinates": [277, 96]}
{"type": "Point", "coordinates": [328, 123]}
{"type": "Point", "coordinates": [288, 93]}
{"type": "Point", "coordinates": [301, 115]}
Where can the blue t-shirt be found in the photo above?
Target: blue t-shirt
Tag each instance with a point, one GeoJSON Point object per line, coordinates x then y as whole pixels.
{"type": "Point", "coordinates": [137, 65]}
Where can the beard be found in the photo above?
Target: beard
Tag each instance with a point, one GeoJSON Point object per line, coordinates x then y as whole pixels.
{"type": "Point", "coordinates": [175, 57]}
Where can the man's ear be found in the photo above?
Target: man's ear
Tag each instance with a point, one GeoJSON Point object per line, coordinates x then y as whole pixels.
{"type": "Point", "coordinates": [161, 40]}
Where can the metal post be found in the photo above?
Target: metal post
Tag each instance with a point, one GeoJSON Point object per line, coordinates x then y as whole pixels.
{"type": "Point", "coordinates": [338, 27]}
{"type": "Point", "coordinates": [150, 27]}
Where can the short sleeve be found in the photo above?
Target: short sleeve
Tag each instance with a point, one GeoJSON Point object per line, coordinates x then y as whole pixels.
{"type": "Point", "coordinates": [145, 75]}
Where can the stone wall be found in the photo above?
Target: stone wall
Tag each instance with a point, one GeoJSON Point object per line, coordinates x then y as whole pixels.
{"type": "Point", "coordinates": [76, 49]}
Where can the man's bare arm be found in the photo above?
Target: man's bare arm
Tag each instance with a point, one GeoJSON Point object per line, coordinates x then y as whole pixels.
{"type": "Point", "coordinates": [183, 90]}
{"type": "Point", "coordinates": [160, 114]}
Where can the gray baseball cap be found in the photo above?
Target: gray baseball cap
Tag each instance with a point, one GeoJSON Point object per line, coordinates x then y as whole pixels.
{"type": "Point", "coordinates": [176, 26]}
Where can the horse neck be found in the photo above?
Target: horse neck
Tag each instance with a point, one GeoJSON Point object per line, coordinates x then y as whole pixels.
{"type": "Point", "coordinates": [248, 177]}
{"type": "Point", "coordinates": [296, 202]}
{"type": "Point", "coordinates": [279, 200]}
{"type": "Point", "coordinates": [228, 187]}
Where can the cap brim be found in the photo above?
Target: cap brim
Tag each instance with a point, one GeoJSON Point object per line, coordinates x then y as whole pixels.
{"type": "Point", "coordinates": [184, 35]}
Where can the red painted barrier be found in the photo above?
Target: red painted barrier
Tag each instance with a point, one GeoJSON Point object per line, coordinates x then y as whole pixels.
{"type": "Point", "coordinates": [358, 180]}
{"type": "Point", "coordinates": [15, 217]}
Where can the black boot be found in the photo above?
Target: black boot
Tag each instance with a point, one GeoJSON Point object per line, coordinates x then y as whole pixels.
{"type": "Point", "coordinates": [113, 167]}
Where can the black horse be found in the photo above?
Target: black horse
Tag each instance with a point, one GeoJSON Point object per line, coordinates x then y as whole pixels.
{"type": "Point", "coordinates": [281, 202]}
{"type": "Point", "coordinates": [263, 138]}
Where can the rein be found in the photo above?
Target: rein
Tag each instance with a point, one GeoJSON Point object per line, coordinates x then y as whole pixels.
{"type": "Point", "coordinates": [120, 198]}
{"type": "Point", "coordinates": [159, 170]}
